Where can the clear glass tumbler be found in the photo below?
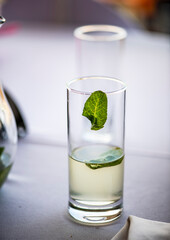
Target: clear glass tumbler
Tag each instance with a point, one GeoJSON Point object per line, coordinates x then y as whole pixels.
{"type": "Point", "coordinates": [8, 133]}
{"type": "Point", "coordinates": [99, 50]}
{"type": "Point", "coordinates": [8, 137]}
{"type": "Point", "coordinates": [96, 157]}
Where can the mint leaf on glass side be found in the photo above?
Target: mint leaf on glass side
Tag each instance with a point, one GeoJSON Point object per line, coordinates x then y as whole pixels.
{"type": "Point", "coordinates": [95, 109]}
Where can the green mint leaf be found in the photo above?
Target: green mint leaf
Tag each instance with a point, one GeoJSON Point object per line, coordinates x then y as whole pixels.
{"type": "Point", "coordinates": [4, 174]}
{"type": "Point", "coordinates": [95, 109]}
{"type": "Point", "coordinates": [109, 164]}
{"type": "Point", "coordinates": [1, 150]}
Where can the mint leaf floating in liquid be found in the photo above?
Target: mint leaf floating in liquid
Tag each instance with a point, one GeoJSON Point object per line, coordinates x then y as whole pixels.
{"type": "Point", "coordinates": [109, 159]}
{"type": "Point", "coordinates": [109, 164]}
{"type": "Point", "coordinates": [95, 109]}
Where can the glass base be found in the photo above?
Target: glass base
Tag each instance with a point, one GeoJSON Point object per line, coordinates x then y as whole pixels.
{"type": "Point", "coordinates": [94, 215]}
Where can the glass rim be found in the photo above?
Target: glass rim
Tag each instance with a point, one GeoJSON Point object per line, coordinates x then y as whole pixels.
{"type": "Point", "coordinates": [121, 89]}
{"type": "Point", "coordinates": [118, 33]}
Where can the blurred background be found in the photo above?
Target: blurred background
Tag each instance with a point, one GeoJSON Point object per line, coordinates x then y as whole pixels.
{"type": "Point", "coordinates": [152, 15]}
{"type": "Point", "coordinates": [37, 58]}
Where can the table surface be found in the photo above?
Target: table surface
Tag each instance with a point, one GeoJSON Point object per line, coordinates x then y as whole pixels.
{"type": "Point", "coordinates": [33, 201]}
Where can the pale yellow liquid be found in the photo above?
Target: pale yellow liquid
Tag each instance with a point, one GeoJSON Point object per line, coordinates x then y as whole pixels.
{"type": "Point", "coordinates": [98, 184]}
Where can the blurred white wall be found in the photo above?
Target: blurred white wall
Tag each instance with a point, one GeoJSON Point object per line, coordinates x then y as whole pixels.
{"type": "Point", "coordinates": [36, 63]}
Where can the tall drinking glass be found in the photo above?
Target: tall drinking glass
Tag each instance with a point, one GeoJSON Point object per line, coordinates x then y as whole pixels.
{"type": "Point", "coordinates": [96, 157]}
{"type": "Point", "coordinates": [99, 50]}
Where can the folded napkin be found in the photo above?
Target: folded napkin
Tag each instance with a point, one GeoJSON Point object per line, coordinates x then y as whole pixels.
{"type": "Point", "coordinates": [142, 229]}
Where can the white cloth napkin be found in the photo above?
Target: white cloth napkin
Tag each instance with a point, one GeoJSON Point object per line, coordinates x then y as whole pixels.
{"type": "Point", "coordinates": [142, 229]}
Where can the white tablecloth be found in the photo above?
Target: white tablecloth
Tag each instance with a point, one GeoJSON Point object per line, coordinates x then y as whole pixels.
{"type": "Point", "coordinates": [33, 201]}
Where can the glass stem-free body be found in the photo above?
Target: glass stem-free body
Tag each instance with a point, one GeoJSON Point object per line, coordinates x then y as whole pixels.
{"type": "Point", "coordinates": [96, 158]}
